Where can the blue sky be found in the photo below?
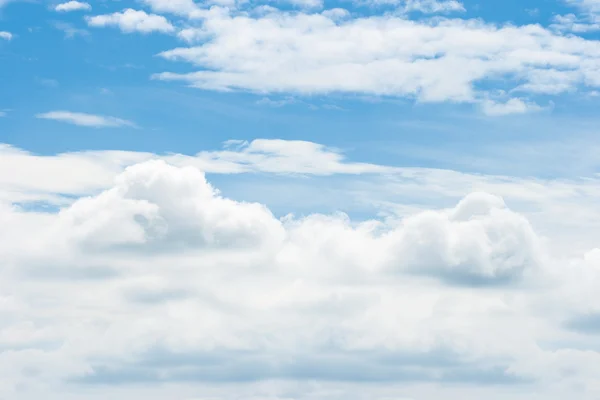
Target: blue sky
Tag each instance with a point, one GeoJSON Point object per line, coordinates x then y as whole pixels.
{"type": "Point", "coordinates": [299, 199]}
{"type": "Point", "coordinates": [103, 71]}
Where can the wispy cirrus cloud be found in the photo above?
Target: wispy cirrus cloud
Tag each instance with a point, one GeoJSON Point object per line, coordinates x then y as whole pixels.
{"type": "Point", "coordinates": [5, 2]}
{"type": "Point", "coordinates": [83, 119]}
{"type": "Point", "coordinates": [70, 30]}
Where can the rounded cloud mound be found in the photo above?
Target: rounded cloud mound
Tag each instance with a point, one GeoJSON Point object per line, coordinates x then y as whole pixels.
{"type": "Point", "coordinates": [161, 205]}
{"type": "Point", "coordinates": [479, 241]}
{"type": "Point", "coordinates": [165, 208]}
{"type": "Point", "coordinates": [184, 295]}
{"type": "Point", "coordinates": [477, 204]}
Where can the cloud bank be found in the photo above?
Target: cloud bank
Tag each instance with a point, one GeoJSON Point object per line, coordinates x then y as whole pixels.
{"type": "Point", "coordinates": [179, 285]}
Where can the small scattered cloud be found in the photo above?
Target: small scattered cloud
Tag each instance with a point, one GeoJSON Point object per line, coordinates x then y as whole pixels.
{"type": "Point", "coordinates": [336, 14]}
{"type": "Point", "coordinates": [47, 82]}
{"type": "Point", "coordinates": [6, 35]}
{"type": "Point", "coordinates": [333, 107]}
{"type": "Point", "coordinates": [178, 7]}
{"type": "Point", "coordinates": [70, 30]}
{"type": "Point", "coordinates": [131, 20]}
{"type": "Point", "coordinates": [573, 23]}
{"type": "Point", "coordinates": [83, 119]}
{"type": "Point", "coordinates": [585, 20]}
{"type": "Point", "coordinates": [191, 35]}
{"type": "Point", "coordinates": [433, 6]}
{"type": "Point", "coordinates": [420, 6]}
{"type": "Point", "coordinates": [73, 6]}
{"type": "Point", "coordinates": [265, 101]}
{"type": "Point", "coordinates": [307, 4]}
{"type": "Point", "coordinates": [512, 106]}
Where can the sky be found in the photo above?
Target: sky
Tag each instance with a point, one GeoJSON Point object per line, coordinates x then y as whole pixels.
{"type": "Point", "coordinates": [299, 199]}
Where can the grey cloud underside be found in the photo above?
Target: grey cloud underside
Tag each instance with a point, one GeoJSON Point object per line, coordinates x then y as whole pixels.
{"type": "Point", "coordinates": [588, 324]}
{"type": "Point", "coordinates": [159, 365]}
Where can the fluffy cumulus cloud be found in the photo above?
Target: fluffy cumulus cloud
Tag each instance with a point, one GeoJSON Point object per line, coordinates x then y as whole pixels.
{"type": "Point", "coordinates": [586, 18]}
{"type": "Point", "coordinates": [387, 52]}
{"type": "Point", "coordinates": [73, 6]}
{"type": "Point", "coordinates": [429, 60]}
{"type": "Point", "coordinates": [83, 119]}
{"type": "Point", "coordinates": [154, 205]}
{"type": "Point", "coordinates": [6, 35]}
{"type": "Point", "coordinates": [156, 279]}
{"type": "Point", "coordinates": [130, 20]}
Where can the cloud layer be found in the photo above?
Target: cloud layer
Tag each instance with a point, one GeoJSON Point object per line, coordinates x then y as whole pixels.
{"type": "Point", "coordinates": [178, 285]}
{"type": "Point", "coordinates": [315, 50]}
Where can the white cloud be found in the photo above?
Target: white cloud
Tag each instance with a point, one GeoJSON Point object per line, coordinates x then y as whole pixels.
{"type": "Point", "coordinates": [471, 246]}
{"type": "Point", "coordinates": [198, 217]}
{"type": "Point", "coordinates": [438, 60]}
{"type": "Point", "coordinates": [29, 177]}
{"type": "Point", "coordinates": [83, 119]}
{"type": "Point", "coordinates": [6, 35]}
{"type": "Point", "coordinates": [73, 6]}
{"type": "Point", "coordinates": [34, 177]}
{"type": "Point", "coordinates": [131, 20]}
{"type": "Point", "coordinates": [434, 6]}
{"type": "Point", "coordinates": [422, 6]}
{"type": "Point", "coordinates": [278, 156]}
{"type": "Point", "coordinates": [178, 7]}
{"type": "Point", "coordinates": [573, 23]}
{"type": "Point", "coordinates": [48, 82]}
{"type": "Point", "coordinates": [307, 4]}
{"type": "Point", "coordinates": [586, 20]}
{"type": "Point", "coordinates": [336, 13]}
{"type": "Point", "coordinates": [70, 30]}
{"type": "Point", "coordinates": [177, 284]}
{"type": "Point", "coordinates": [192, 35]}
{"type": "Point", "coordinates": [265, 101]}
{"type": "Point", "coordinates": [511, 106]}
{"type": "Point", "coordinates": [592, 6]}
{"type": "Point", "coordinates": [550, 81]}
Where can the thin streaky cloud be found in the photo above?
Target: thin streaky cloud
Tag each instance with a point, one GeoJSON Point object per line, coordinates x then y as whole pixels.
{"type": "Point", "coordinates": [83, 119]}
